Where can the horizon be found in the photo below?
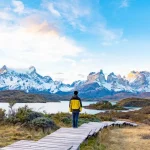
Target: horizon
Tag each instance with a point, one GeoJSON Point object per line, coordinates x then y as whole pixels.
{"type": "Point", "coordinates": [69, 39]}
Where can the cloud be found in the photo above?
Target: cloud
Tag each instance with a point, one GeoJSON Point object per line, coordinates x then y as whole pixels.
{"type": "Point", "coordinates": [71, 12]}
{"type": "Point", "coordinates": [18, 6]}
{"type": "Point", "coordinates": [34, 44]}
{"type": "Point", "coordinates": [53, 10]}
{"type": "Point", "coordinates": [81, 75]}
{"type": "Point", "coordinates": [6, 16]}
{"type": "Point", "coordinates": [108, 36]}
{"type": "Point", "coordinates": [124, 3]}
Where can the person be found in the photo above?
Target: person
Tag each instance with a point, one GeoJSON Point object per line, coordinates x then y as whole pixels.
{"type": "Point", "coordinates": [75, 106]}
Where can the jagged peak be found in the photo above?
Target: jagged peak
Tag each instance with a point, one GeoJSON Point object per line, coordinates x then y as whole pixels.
{"type": "Point", "coordinates": [4, 69]}
{"type": "Point", "coordinates": [32, 69]}
{"type": "Point", "coordinates": [134, 72]}
{"type": "Point", "coordinates": [92, 73]}
{"type": "Point", "coordinates": [119, 76]}
{"type": "Point", "coordinates": [101, 71]}
{"type": "Point", "coordinates": [48, 78]}
{"type": "Point", "coordinates": [112, 74]}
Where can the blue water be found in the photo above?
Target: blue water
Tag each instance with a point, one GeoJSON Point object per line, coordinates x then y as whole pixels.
{"type": "Point", "coordinates": [53, 107]}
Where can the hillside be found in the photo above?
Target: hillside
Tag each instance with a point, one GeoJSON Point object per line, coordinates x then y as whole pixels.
{"type": "Point", "coordinates": [21, 97]}
{"type": "Point", "coordinates": [134, 102]}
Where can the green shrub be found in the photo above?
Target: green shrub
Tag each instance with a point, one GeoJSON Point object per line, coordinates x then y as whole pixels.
{"type": "Point", "coordinates": [33, 115]}
{"type": "Point", "coordinates": [66, 120]}
{"type": "Point", "coordinates": [43, 122]}
{"type": "Point", "coordinates": [12, 119]}
{"type": "Point", "coordinates": [22, 114]}
{"type": "Point", "coordinates": [86, 118]}
{"type": "Point", "coordinates": [2, 114]}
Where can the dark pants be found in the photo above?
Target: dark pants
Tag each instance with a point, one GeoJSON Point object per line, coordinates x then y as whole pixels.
{"type": "Point", "coordinates": [75, 116]}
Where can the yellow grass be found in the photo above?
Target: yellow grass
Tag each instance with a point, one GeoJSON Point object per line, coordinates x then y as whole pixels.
{"type": "Point", "coordinates": [10, 134]}
{"type": "Point", "coordinates": [126, 138]}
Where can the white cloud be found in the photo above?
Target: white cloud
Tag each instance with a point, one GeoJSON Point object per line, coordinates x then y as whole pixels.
{"type": "Point", "coordinates": [6, 16]}
{"type": "Point", "coordinates": [19, 6]}
{"type": "Point", "coordinates": [108, 36]}
{"type": "Point", "coordinates": [71, 12]}
{"type": "Point", "coordinates": [53, 10]}
{"type": "Point", "coordinates": [124, 3]}
{"type": "Point", "coordinates": [36, 44]}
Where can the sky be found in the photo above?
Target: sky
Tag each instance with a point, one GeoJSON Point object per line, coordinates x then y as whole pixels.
{"type": "Point", "coordinates": [68, 39]}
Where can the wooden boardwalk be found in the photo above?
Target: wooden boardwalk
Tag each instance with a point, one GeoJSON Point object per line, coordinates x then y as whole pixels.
{"type": "Point", "coordinates": [66, 138]}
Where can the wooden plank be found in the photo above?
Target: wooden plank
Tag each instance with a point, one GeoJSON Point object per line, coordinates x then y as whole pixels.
{"type": "Point", "coordinates": [87, 127]}
{"type": "Point", "coordinates": [49, 148]}
{"type": "Point", "coordinates": [22, 142]}
{"type": "Point", "coordinates": [37, 146]}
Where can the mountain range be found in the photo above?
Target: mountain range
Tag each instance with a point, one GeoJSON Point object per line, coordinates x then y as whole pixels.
{"type": "Point", "coordinates": [97, 85]}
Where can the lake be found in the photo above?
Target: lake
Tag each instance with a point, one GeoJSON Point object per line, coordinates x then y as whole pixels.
{"type": "Point", "coordinates": [53, 107]}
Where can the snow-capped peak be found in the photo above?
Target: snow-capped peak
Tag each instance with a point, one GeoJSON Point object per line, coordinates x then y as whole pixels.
{"type": "Point", "coordinates": [29, 80]}
{"type": "Point", "coordinates": [4, 69]}
{"type": "Point", "coordinates": [32, 69]}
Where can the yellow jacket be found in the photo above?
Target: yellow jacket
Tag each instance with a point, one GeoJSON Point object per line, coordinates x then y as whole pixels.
{"type": "Point", "coordinates": [75, 104]}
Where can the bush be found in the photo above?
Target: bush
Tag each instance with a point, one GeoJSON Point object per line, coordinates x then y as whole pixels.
{"type": "Point", "coordinates": [145, 110]}
{"type": "Point", "coordinates": [22, 114]}
{"type": "Point", "coordinates": [2, 114]}
{"type": "Point", "coordinates": [147, 121]}
{"type": "Point", "coordinates": [86, 118]}
{"type": "Point", "coordinates": [12, 119]}
{"type": "Point", "coordinates": [43, 122]}
{"type": "Point", "coordinates": [123, 115]}
{"type": "Point", "coordinates": [33, 115]}
{"type": "Point", "coordinates": [66, 120]}
{"type": "Point", "coordinates": [138, 117]}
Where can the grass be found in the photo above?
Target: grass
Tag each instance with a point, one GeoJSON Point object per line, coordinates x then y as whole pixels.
{"type": "Point", "coordinates": [127, 138]}
{"type": "Point", "coordinates": [96, 143]}
{"type": "Point", "coordinates": [10, 134]}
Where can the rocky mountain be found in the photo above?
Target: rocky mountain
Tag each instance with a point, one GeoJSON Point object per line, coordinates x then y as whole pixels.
{"type": "Point", "coordinates": [30, 81]}
{"type": "Point", "coordinates": [97, 84]}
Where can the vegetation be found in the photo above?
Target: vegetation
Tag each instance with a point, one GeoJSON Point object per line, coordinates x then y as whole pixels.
{"type": "Point", "coordinates": [120, 139]}
{"type": "Point", "coordinates": [21, 97]}
{"type": "Point", "coordinates": [142, 115]}
{"type": "Point", "coordinates": [2, 114]}
{"type": "Point", "coordinates": [104, 105]}
{"type": "Point", "coordinates": [25, 123]}
{"type": "Point", "coordinates": [44, 123]}
{"type": "Point", "coordinates": [134, 102]}
{"type": "Point", "coordinates": [10, 133]}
